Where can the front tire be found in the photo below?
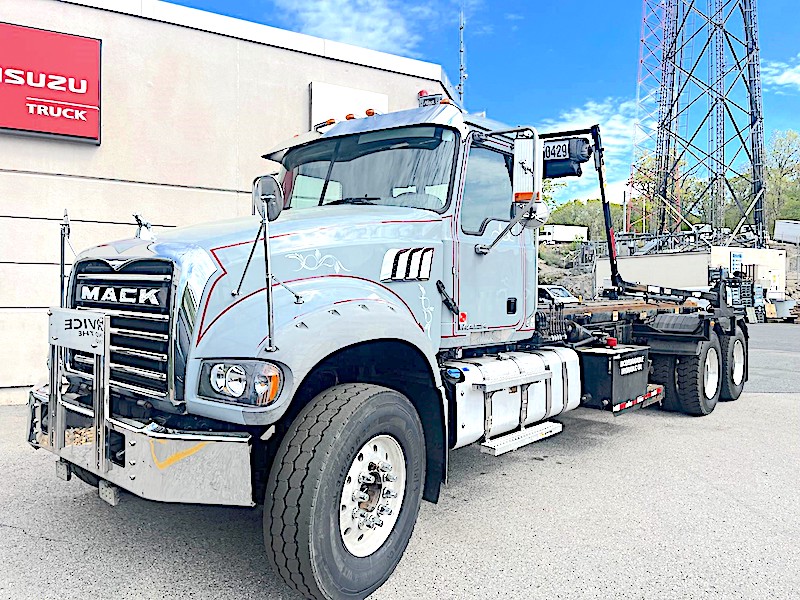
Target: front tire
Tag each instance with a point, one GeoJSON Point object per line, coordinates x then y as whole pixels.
{"type": "Point", "coordinates": [699, 379]}
{"type": "Point", "coordinates": [344, 492]}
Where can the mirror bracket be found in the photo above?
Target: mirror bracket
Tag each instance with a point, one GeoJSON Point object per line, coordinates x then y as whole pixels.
{"type": "Point", "coordinates": [522, 215]}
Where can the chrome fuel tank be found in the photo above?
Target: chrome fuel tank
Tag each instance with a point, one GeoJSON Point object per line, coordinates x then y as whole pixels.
{"type": "Point", "coordinates": [500, 393]}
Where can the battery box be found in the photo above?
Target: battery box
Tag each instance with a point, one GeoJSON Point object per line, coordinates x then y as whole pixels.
{"type": "Point", "coordinates": [611, 376]}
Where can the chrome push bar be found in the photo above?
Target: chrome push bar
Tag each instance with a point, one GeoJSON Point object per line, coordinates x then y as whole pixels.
{"type": "Point", "coordinates": [148, 460]}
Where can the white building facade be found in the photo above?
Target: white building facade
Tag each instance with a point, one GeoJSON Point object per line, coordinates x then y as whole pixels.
{"type": "Point", "coordinates": [185, 103]}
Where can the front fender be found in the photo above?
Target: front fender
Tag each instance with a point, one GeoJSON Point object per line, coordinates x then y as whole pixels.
{"type": "Point", "coordinates": [337, 311]}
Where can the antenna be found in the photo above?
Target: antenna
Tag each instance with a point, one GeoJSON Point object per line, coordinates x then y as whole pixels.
{"type": "Point", "coordinates": [462, 62]}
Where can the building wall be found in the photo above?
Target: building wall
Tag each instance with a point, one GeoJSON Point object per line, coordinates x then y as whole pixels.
{"type": "Point", "coordinates": [186, 114]}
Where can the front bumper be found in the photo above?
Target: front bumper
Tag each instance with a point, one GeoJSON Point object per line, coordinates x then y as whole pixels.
{"type": "Point", "coordinates": [146, 460]}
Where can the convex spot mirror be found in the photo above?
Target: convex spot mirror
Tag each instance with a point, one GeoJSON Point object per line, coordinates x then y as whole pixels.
{"type": "Point", "coordinates": [267, 192]}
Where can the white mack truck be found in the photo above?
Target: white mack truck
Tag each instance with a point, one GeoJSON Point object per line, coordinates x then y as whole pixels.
{"type": "Point", "coordinates": [324, 359]}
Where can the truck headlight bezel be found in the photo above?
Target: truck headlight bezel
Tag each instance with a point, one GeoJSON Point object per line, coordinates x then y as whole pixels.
{"type": "Point", "coordinates": [243, 382]}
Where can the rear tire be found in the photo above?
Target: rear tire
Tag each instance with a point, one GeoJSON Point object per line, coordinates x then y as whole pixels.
{"type": "Point", "coordinates": [664, 375]}
{"type": "Point", "coordinates": [734, 364]}
{"type": "Point", "coordinates": [346, 433]}
{"type": "Point", "coordinates": [699, 379]}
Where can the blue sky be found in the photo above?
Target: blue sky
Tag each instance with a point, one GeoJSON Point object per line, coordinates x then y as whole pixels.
{"type": "Point", "coordinates": [550, 64]}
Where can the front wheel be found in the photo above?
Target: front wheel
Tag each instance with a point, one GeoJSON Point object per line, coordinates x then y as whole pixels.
{"type": "Point", "coordinates": [345, 491]}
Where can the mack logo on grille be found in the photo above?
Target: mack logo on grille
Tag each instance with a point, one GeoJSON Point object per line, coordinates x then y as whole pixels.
{"type": "Point", "coordinates": [120, 295]}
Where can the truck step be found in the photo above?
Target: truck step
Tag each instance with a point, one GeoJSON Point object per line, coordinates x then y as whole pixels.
{"type": "Point", "coordinates": [108, 492]}
{"type": "Point", "coordinates": [517, 439]}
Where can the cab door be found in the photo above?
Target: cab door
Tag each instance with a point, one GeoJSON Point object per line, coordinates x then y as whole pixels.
{"type": "Point", "coordinates": [489, 287]}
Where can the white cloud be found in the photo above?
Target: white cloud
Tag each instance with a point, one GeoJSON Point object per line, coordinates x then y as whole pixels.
{"type": "Point", "coordinates": [395, 26]}
{"type": "Point", "coordinates": [777, 76]}
{"type": "Point", "coordinates": [377, 24]}
{"type": "Point", "coordinates": [616, 117]}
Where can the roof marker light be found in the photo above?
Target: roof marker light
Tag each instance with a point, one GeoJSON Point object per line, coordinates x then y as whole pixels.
{"type": "Point", "coordinates": [350, 117]}
{"type": "Point", "coordinates": [370, 112]}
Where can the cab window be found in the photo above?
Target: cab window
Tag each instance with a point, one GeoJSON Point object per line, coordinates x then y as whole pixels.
{"type": "Point", "coordinates": [306, 189]}
{"type": "Point", "coordinates": [487, 189]}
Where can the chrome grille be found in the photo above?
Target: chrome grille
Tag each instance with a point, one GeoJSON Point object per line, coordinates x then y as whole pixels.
{"type": "Point", "coordinates": [140, 332]}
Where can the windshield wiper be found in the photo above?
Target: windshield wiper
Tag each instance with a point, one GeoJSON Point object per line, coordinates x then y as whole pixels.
{"type": "Point", "coordinates": [362, 200]}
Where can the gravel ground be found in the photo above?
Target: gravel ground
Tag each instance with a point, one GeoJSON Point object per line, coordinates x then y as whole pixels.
{"type": "Point", "coordinates": [649, 505]}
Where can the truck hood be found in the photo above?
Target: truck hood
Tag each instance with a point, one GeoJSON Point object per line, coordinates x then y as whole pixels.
{"type": "Point", "coordinates": [296, 223]}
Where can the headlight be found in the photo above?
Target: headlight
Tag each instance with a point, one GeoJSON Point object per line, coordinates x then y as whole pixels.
{"type": "Point", "coordinates": [217, 378]}
{"type": "Point", "coordinates": [235, 381]}
{"type": "Point", "coordinates": [253, 383]}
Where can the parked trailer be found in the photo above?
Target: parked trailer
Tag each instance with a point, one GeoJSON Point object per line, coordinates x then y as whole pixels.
{"type": "Point", "coordinates": [787, 231]}
{"type": "Point", "coordinates": [325, 358]}
{"type": "Point", "coordinates": [561, 234]}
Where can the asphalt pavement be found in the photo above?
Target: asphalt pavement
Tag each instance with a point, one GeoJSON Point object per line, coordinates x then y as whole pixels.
{"type": "Point", "coordinates": [649, 505]}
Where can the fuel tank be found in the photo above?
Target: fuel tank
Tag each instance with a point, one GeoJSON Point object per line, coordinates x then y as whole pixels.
{"type": "Point", "coordinates": [506, 391]}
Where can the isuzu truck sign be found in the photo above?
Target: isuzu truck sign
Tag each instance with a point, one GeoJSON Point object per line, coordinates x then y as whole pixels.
{"type": "Point", "coordinates": [49, 83]}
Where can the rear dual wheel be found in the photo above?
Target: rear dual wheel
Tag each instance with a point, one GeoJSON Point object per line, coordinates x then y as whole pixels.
{"type": "Point", "coordinates": [692, 384]}
{"type": "Point", "coordinates": [734, 364]}
{"type": "Point", "coordinates": [699, 381]}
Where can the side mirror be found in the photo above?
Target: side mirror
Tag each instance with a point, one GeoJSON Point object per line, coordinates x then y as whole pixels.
{"type": "Point", "coordinates": [527, 182]}
{"type": "Point", "coordinates": [267, 192]}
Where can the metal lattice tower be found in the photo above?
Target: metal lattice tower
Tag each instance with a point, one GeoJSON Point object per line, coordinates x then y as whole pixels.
{"type": "Point", "coordinates": [699, 141]}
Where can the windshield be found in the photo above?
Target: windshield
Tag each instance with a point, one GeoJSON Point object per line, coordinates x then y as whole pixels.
{"type": "Point", "coordinates": [406, 166]}
{"type": "Point", "coordinates": [560, 292]}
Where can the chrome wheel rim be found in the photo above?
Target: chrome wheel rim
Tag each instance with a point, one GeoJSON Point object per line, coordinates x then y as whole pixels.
{"type": "Point", "coordinates": [737, 374]}
{"type": "Point", "coordinates": [711, 374]}
{"type": "Point", "coordinates": [372, 495]}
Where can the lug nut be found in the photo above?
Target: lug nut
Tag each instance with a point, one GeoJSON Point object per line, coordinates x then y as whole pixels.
{"type": "Point", "coordinates": [387, 493]}
{"type": "Point", "coordinates": [384, 466]}
{"type": "Point", "coordinates": [383, 509]}
{"type": "Point", "coordinates": [358, 513]}
{"type": "Point", "coordinates": [389, 477]}
{"type": "Point", "coordinates": [366, 478]}
{"type": "Point", "coordinates": [360, 496]}
{"type": "Point", "coordinates": [377, 522]}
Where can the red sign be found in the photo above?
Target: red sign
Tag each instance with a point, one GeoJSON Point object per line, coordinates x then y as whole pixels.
{"type": "Point", "coordinates": [49, 83]}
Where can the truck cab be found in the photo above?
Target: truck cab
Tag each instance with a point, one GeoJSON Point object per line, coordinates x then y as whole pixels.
{"type": "Point", "coordinates": [325, 355]}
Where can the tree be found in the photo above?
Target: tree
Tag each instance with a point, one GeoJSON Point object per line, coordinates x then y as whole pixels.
{"type": "Point", "coordinates": [783, 176]}
{"type": "Point", "coordinates": [588, 214]}
{"type": "Point", "coordinates": [686, 193]}
{"type": "Point", "coordinates": [549, 189]}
